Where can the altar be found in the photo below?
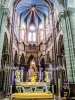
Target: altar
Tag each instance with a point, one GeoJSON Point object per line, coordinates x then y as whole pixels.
{"type": "Point", "coordinates": [32, 91]}
{"type": "Point", "coordinates": [32, 87]}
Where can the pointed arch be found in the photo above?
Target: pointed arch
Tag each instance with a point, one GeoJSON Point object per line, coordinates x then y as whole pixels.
{"type": "Point", "coordinates": [5, 51]}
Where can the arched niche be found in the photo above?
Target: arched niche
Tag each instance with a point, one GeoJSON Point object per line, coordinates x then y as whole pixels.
{"type": "Point", "coordinates": [30, 47]}
{"type": "Point", "coordinates": [60, 45]}
{"type": "Point", "coordinates": [5, 51]}
{"type": "Point", "coordinates": [54, 50]}
{"type": "Point", "coordinates": [5, 60]}
{"type": "Point", "coordinates": [48, 58]}
{"type": "Point", "coordinates": [31, 57]}
{"type": "Point", "coordinates": [16, 58]}
{"type": "Point", "coordinates": [61, 52]}
{"type": "Point", "coordinates": [22, 60]}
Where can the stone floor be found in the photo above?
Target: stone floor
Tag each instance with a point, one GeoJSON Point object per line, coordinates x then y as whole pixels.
{"type": "Point", "coordinates": [5, 99]}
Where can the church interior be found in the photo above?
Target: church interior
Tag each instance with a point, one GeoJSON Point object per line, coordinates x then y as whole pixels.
{"type": "Point", "coordinates": [36, 50]}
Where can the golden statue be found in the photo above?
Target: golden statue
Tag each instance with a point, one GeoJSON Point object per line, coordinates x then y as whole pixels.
{"type": "Point", "coordinates": [33, 71]}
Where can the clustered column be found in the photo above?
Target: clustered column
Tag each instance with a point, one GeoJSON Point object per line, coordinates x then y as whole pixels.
{"type": "Point", "coordinates": [68, 26]}
{"type": "Point", "coordinates": [3, 17]}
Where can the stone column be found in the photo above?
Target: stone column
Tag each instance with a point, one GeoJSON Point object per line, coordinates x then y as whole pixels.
{"type": "Point", "coordinates": [71, 14]}
{"type": "Point", "coordinates": [3, 16]}
{"type": "Point", "coordinates": [68, 24]}
{"type": "Point", "coordinates": [0, 32]}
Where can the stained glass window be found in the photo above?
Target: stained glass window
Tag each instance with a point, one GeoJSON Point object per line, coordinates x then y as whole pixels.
{"type": "Point", "coordinates": [29, 36]}
{"type": "Point", "coordinates": [22, 35]}
{"type": "Point", "coordinates": [41, 35]}
{"type": "Point", "coordinates": [32, 37]}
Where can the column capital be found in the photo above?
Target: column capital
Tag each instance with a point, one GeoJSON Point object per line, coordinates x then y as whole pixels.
{"type": "Point", "coordinates": [71, 11]}
{"type": "Point", "coordinates": [61, 15]}
{"type": "Point", "coordinates": [5, 10]}
{"type": "Point", "coordinates": [66, 13]}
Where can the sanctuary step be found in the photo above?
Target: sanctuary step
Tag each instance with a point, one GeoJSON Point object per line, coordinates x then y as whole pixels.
{"type": "Point", "coordinates": [72, 98]}
{"type": "Point", "coordinates": [1, 95]}
{"type": "Point", "coordinates": [25, 96]}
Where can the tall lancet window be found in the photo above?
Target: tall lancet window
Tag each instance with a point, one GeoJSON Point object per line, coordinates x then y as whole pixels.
{"type": "Point", "coordinates": [41, 35]}
{"type": "Point", "coordinates": [32, 37]}
{"type": "Point", "coordinates": [29, 36]}
{"type": "Point", "coordinates": [32, 33]}
{"type": "Point", "coordinates": [23, 32]}
{"type": "Point", "coordinates": [41, 28]}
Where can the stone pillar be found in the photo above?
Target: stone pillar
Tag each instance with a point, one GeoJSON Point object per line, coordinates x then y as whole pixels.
{"type": "Point", "coordinates": [0, 32]}
{"type": "Point", "coordinates": [71, 14]}
{"type": "Point", "coordinates": [68, 27]}
{"type": "Point", "coordinates": [3, 20]}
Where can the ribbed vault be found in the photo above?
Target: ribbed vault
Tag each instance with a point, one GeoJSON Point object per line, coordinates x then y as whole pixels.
{"type": "Point", "coordinates": [32, 11]}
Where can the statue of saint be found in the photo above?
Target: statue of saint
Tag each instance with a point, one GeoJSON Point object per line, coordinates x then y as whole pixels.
{"type": "Point", "coordinates": [33, 71]}
{"type": "Point", "coordinates": [42, 62]}
{"type": "Point", "coordinates": [33, 75]}
{"type": "Point", "coordinates": [17, 77]}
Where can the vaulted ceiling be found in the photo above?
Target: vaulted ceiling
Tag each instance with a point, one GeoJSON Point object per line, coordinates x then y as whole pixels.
{"type": "Point", "coordinates": [32, 11]}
